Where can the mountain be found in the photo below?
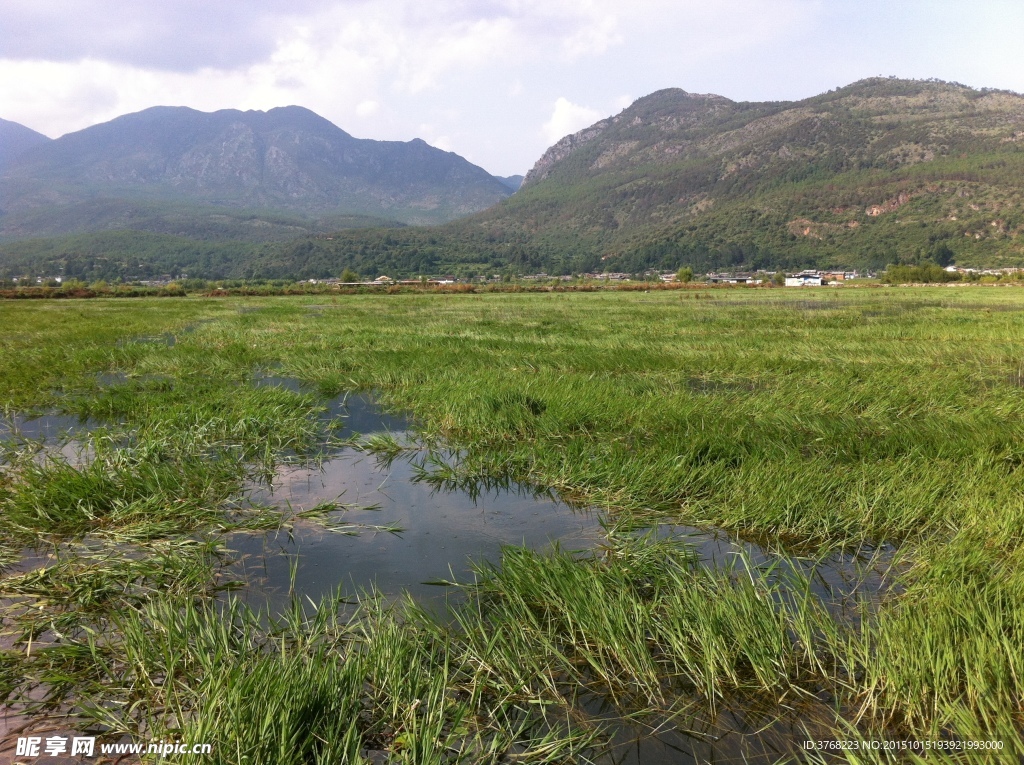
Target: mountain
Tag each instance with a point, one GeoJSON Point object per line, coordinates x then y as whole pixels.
{"type": "Point", "coordinates": [512, 181]}
{"type": "Point", "coordinates": [288, 161]}
{"type": "Point", "coordinates": [881, 171]}
{"type": "Point", "coordinates": [15, 140]}
{"type": "Point", "coordinates": [875, 172]}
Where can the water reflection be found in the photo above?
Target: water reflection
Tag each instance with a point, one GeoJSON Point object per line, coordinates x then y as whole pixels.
{"type": "Point", "coordinates": [50, 426]}
{"type": "Point", "coordinates": [845, 581]}
{"type": "Point", "coordinates": [56, 436]}
{"type": "Point", "coordinates": [756, 732]}
{"type": "Point", "coordinates": [444, 527]}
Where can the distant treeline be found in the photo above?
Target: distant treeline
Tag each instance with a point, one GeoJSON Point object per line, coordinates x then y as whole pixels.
{"type": "Point", "coordinates": [880, 172]}
{"type": "Point", "coordinates": [928, 273]}
{"type": "Point", "coordinates": [76, 291]}
{"type": "Point", "coordinates": [242, 288]}
{"type": "Point", "coordinates": [733, 235]}
{"type": "Point", "coordinates": [730, 240]}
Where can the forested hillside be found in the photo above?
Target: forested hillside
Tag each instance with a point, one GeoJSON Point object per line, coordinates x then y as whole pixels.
{"type": "Point", "coordinates": [882, 171]}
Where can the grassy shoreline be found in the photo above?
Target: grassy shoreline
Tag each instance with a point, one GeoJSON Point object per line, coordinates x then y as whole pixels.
{"type": "Point", "coordinates": [808, 421]}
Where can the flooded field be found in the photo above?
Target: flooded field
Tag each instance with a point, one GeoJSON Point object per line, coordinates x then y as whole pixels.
{"type": "Point", "coordinates": [397, 528]}
{"type": "Point", "coordinates": [54, 436]}
{"type": "Point", "coordinates": [784, 522]}
{"type": "Point", "coordinates": [399, 531]}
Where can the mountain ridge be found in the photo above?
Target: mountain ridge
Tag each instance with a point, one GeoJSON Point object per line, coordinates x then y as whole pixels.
{"type": "Point", "coordinates": [880, 171]}
{"type": "Point", "coordinates": [684, 176]}
{"type": "Point", "coordinates": [15, 140]}
{"type": "Point", "coordinates": [285, 160]}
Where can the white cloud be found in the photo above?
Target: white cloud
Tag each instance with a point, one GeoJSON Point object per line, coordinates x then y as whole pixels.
{"type": "Point", "coordinates": [483, 73]}
{"type": "Point", "coordinates": [467, 45]}
{"type": "Point", "coordinates": [594, 38]}
{"type": "Point", "coordinates": [442, 142]}
{"type": "Point", "coordinates": [172, 35]}
{"type": "Point", "coordinates": [568, 118]}
{"type": "Point", "coordinates": [367, 108]}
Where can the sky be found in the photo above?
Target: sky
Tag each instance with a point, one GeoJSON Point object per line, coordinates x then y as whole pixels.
{"type": "Point", "coordinates": [497, 81]}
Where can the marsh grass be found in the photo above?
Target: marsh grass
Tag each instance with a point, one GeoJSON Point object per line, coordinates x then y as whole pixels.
{"type": "Point", "coordinates": [667, 628]}
{"type": "Point", "coordinates": [876, 416]}
{"type": "Point", "coordinates": [340, 687]}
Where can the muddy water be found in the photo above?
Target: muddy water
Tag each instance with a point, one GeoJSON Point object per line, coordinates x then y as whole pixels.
{"type": "Point", "coordinates": [437, 533]}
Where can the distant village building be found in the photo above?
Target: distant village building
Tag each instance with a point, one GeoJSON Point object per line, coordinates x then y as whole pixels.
{"type": "Point", "coordinates": [614, 277]}
{"type": "Point", "coordinates": [839, 276]}
{"type": "Point", "coordinates": [805, 279]}
{"type": "Point", "coordinates": [734, 279]}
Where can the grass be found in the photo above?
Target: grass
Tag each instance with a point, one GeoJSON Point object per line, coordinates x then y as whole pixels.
{"type": "Point", "coordinates": [808, 421]}
{"type": "Point", "coordinates": [340, 687]}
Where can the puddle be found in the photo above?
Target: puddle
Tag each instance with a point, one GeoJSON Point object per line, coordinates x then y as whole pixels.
{"type": "Point", "coordinates": [442, 529]}
{"type": "Point", "coordinates": [167, 339]}
{"type": "Point", "coordinates": [62, 435]}
{"type": "Point", "coordinates": [115, 379]}
{"type": "Point", "coordinates": [445, 527]}
{"type": "Point", "coordinates": [273, 381]}
{"type": "Point", "coordinates": [45, 426]}
{"type": "Point", "coordinates": [731, 736]}
{"type": "Point", "coordinates": [110, 379]}
{"type": "Point", "coordinates": [876, 310]}
{"type": "Point", "coordinates": [15, 723]}
{"type": "Point", "coordinates": [748, 730]}
{"type": "Point", "coordinates": [842, 580]}
{"type": "Point", "coordinates": [817, 305]}
{"type": "Point", "coordinates": [359, 412]}
{"type": "Point", "coordinates": [362, 414]}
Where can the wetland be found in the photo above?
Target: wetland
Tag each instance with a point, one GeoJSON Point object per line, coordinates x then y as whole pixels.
{"type": "Point", "coordinates": [565, 527]}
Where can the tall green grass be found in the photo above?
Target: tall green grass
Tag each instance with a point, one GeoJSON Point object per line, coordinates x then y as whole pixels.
{"type": "Point", "coordinates": [809, 421]}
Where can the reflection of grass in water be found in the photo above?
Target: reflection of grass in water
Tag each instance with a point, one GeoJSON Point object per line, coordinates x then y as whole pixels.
{"type": "Point", "coordinates": [895, 427]}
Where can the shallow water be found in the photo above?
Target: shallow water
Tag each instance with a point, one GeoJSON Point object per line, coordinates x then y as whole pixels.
{"type": "Point", "coordinates": [274, 381]}
{"type": "Point", "coordinates": [445, 529]}
{"type": "Point", "coordinates": [167, 339]}
{"type": "Point", "coordinates": [733, 736]}
{"type": "Point", "coordinates": [46, 426]}
{"type": "Point", "coordinates": [442, 531]}
{"type": "Point", "coordinates": [754, 732]}
{"type": "Point", "coordinates": [63, 436]}
{"type": "Point", "coordinates": [843, 580]}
